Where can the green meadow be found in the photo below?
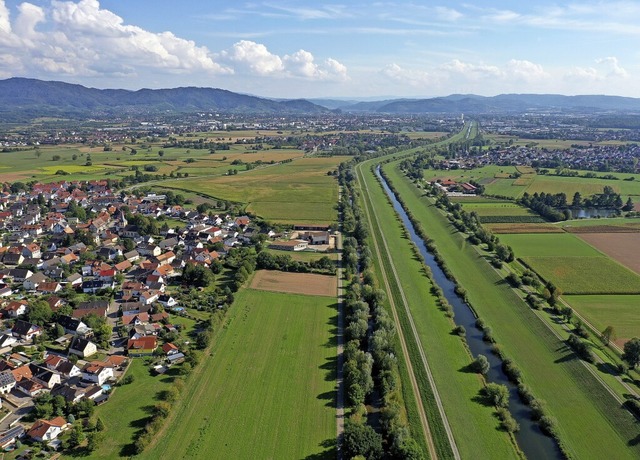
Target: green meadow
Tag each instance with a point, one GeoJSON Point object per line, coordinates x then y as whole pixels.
{"type": "Point", "coordinates": [267, 388]}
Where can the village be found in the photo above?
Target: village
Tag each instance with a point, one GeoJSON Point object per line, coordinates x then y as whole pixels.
{"type": "Point", "coordinates": [83, 296]}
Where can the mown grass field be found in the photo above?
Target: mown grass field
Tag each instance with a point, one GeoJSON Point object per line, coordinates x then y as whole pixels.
{"type": "Point", "coordinates": [620, 311]}
{"type": "Point", "coordinates": [572, 264]}
{"type": "Point", "coordinates": [304, 256]}
{"type": "Point", "coordinates": [586, 275]}
{"type": "Point", "coordinates": [554, 373]}
{"type": "Point", "coordinates": [560, 245]}
{"type": "Point", "coordinates": [296, 192]}
{"type": "Point", "coordinates": [268, 388]}
{"type": "Point", "coordinates": [472, 423]}
{"type": "Point", "coordinates": [504, 208]}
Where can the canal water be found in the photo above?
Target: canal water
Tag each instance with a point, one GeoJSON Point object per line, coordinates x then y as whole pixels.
{"type": "Point", "coordinates": [590, 213]}
{"type": "Point", "coordinates": [533, 442]}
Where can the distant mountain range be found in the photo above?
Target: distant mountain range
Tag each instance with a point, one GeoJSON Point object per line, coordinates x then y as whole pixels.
{"type": "Point", "coordinates": [26, 94]}
{"type": "Point", "coordinates": [30, 96]}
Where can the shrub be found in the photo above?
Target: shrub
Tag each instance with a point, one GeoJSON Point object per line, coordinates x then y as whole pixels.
{"type": "Point", "coordinates": [496, 394]}
{"type": "Point", "coordinates": [459, 330]}
{"type": "Point", "coordinates": [481, 365]}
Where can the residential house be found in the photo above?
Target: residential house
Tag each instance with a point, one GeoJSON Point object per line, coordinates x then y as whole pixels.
{"type": "Point", "coordinates": [30, 387]}
{"type": "Point", "coordinates": [7, 382]}
{"type": "Point", "coordinates": [20, 274]}
{"type": "Point", "coordinates": [26, 331]}
{"type": "Point", "coordinates": [45, 376]}
{"type": "Point", "coordinates": [170, 349]}
{"type": "Point", "coordinates": [31, 283]}
{"type": "Point", "coordinates": [143, 346]}
{"type": "Point", "coordinates": [9, 438]}
{"type": "Point", "coordinates": [15, 308]}
{"type": "Point", "coordinates": [97, 372]}
{"type": "Point", "coordinates": [82, 347]}
{"type": "Point", "coordinates": [49, 288]}
{"type": "Point", "coordinates": [167, 301]}
{"type": "Point", "coordinates": [75, 280]}
{"type": "Point", "coordinates": [148, 297]}
{"type": "Point", "coordinates": [131, 256]}
{"type": "Point", "coordinates": [73, 325]}
{"type": "Point", "coordinates": [47, 430]}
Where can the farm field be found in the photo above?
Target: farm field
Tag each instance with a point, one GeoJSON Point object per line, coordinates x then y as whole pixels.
{"type": "Point", "coordinates": [473, 425]}
{"type": "Point", "coordinates": [267, 390]}
{"type": "Point", "coordinates": [504, 208]}
{"type": "Point", "coordinates": [572, 264]}
{"type": "Point", "coordinates": [497, 181]}
{"type": "Point", "coordinates": [296, 192]}
{"type": "Point", "coordinates": [622, 247]}
{"type": "Point", "coordinates": [608, 225]}
{"type": "Point", "coordinates": [552, 371]}
{"type": "Point", "coordinates": [505, 228]}
{"type": "Point", "coordinates": [295, 283]}
{"type": "Point", "coordinates": [304, 256]}
{"type": "Point", "coordinates": [585, 275]}
{"type": "Point", "coordinates": [620, 311]}
{"type": "Point", "coordinates": [565, 245]}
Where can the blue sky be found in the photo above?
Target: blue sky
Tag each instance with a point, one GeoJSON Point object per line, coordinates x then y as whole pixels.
{"type": "Point", "coordinates": [319, 49]}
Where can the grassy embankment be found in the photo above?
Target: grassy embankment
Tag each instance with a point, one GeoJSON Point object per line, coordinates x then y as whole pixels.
{"type": "Point", "coordinates": [580, 403]}
{"type": "Point", "coordinates": [473, 426]}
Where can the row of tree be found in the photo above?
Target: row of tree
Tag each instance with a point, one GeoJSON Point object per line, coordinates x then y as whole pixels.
{"type": "Point", "coordinates": [369, 357]}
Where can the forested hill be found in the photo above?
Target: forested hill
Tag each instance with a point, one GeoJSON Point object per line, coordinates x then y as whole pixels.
{"type": "Point", "coordinates": [37, 98]}
{"type": "Point", "coordinates": [503, 103]}
{"type": "Point", "coordinates": [26, 95]}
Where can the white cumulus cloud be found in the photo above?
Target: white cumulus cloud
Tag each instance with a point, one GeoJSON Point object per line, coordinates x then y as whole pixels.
{"type": "Point", "coordinates": [80, 38]}
{"type": "Point", "coordinates": [254, 58]}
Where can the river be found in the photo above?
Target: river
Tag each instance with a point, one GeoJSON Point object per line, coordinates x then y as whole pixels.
{"type": "Point", "coordinates": [533, 442]}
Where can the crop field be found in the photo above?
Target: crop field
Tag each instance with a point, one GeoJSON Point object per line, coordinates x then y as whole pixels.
{"type": "Point", "coordinates": [622, 312]}
{"type": "Point", "coordinates": [295, 283]}
{"type": "Point", "coordinates": [578, 401]}
{"type": "Point", "coordinates": [585, 275]}
{"type": "Point", "coordinates": [609, 225]}
{"type": "Point", "coordinates": [267, 389]}
{"type": "Point", "coordinates": [549, 245]}
{"type": "Point", "coordinates": [623, 247]}
{"type": "Point", "coordinates": [296, 192]}
{"type": "Point", "coordinates": [523, 228]}
{"type": "Point", "coordinates": [530, 219]}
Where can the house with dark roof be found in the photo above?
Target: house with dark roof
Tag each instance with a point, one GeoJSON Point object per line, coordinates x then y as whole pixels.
{"type": "Point", "coordinates": [82, 347]}
{"type": "Point", "coordinates": [10, 437]}
{"type": "Point", "coordinates": [7, 382]}
{"type": "Point", "coordinates": [73, 325]}
{"type": "Point", "coordinates": [25, 330]}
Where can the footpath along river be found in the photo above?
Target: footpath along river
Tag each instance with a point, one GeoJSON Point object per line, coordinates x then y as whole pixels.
{"type": "Point", "coordinates": [533, 442]}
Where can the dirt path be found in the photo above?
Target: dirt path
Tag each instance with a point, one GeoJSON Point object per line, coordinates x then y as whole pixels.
{"type": "Point", "coordinates": [340, 354]}
{"type": "Point", "coordinates": [414, 383]}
